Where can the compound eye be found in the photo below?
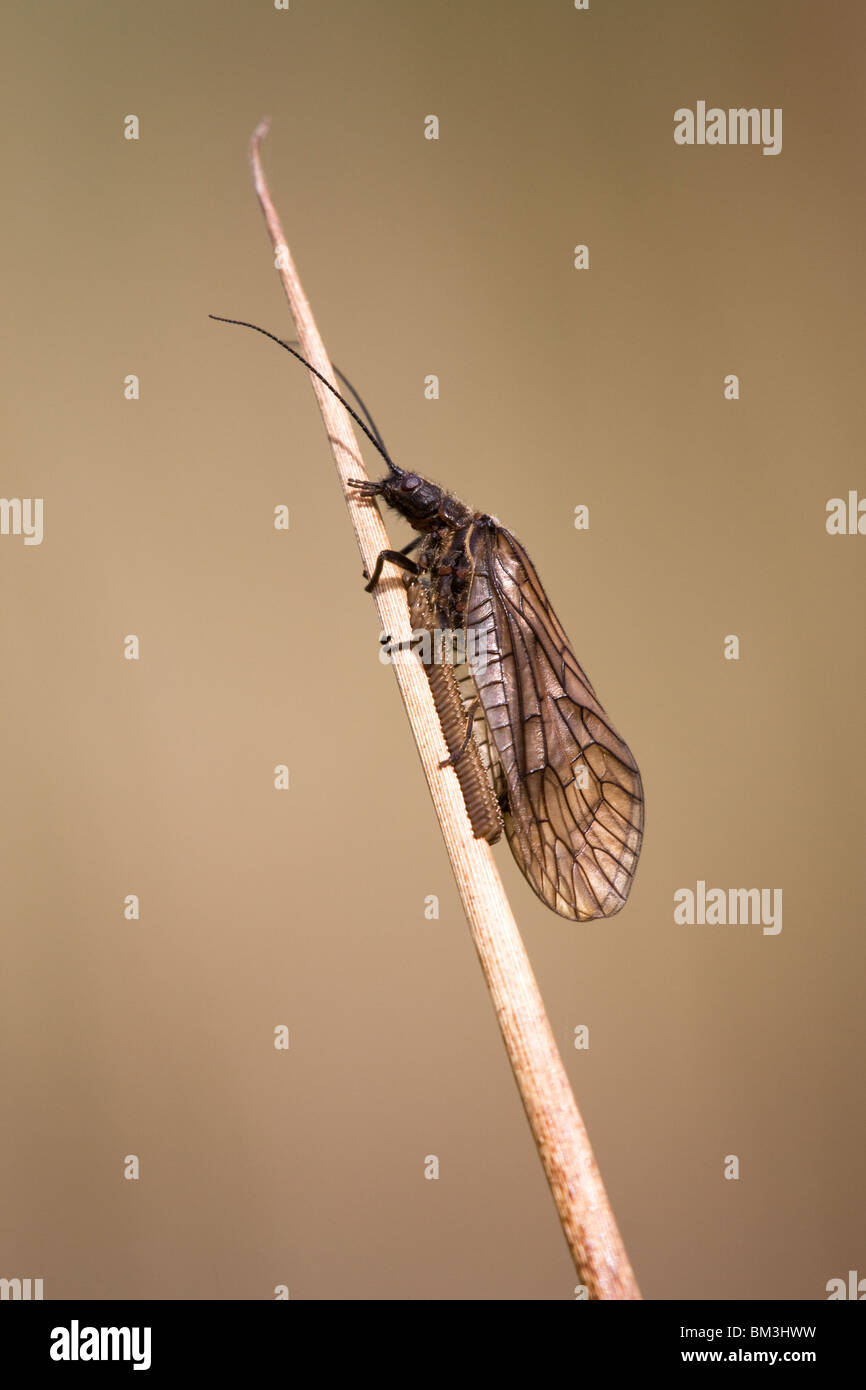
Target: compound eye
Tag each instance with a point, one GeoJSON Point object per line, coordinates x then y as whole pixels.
{"type": "Point", "coordinates": [410, 482]}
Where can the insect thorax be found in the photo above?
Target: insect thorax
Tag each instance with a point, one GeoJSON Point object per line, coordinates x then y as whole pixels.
{"type": "Point", "coordinates": [446, 524]}
{"type": "Point", "coordinates": [445, 557]}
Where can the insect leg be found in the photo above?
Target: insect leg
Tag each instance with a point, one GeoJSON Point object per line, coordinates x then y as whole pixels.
{"type": "Point", "coordinates": [470, 716]}
{"type": "Point", "coordinates": [397, 557]}
{"type": "Point", "coordinates": [390, 645]}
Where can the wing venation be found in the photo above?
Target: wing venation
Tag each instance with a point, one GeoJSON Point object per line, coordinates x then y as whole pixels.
{"type": "Point", "coordinates": [575, 801]}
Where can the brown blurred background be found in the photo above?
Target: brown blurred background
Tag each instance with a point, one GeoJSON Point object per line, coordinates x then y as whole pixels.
{"type": "Point", "coordinates": [558, 387]}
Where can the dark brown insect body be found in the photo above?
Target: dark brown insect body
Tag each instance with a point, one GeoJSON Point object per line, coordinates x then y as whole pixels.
{"type": "Point", "coordinates": [567, 785]}
{"type": "Point", "coordinates": [481, 805]}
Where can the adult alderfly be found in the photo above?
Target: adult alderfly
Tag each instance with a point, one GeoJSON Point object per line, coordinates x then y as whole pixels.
{"type": "Point", "coordinates": [568, 787]}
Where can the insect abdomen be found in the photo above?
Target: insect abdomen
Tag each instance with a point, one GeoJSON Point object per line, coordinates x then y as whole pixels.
{"type": "Point", "coordinates": [481, 805]}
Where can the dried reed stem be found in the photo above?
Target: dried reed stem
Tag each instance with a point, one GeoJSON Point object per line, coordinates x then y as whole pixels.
{"type": "Point", "coordinates": [578, 1191]}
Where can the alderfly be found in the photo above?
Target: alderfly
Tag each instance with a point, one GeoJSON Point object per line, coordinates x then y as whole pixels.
{"type": "Point", "coordinates": [566, 785]}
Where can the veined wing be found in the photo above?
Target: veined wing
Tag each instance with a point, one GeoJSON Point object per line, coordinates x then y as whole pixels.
{"type": "Point", "coordinates": [575, 801]}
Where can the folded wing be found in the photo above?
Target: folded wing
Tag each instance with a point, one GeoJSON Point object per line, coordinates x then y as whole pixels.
{"type": "Point", "coordinates": [574, 818]}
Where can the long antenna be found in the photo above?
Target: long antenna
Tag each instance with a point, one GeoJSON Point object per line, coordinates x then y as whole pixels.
{"type": "Point", "coordinates": [377, 444]}
{"type": "Point", "coordinates": [356, 395]}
